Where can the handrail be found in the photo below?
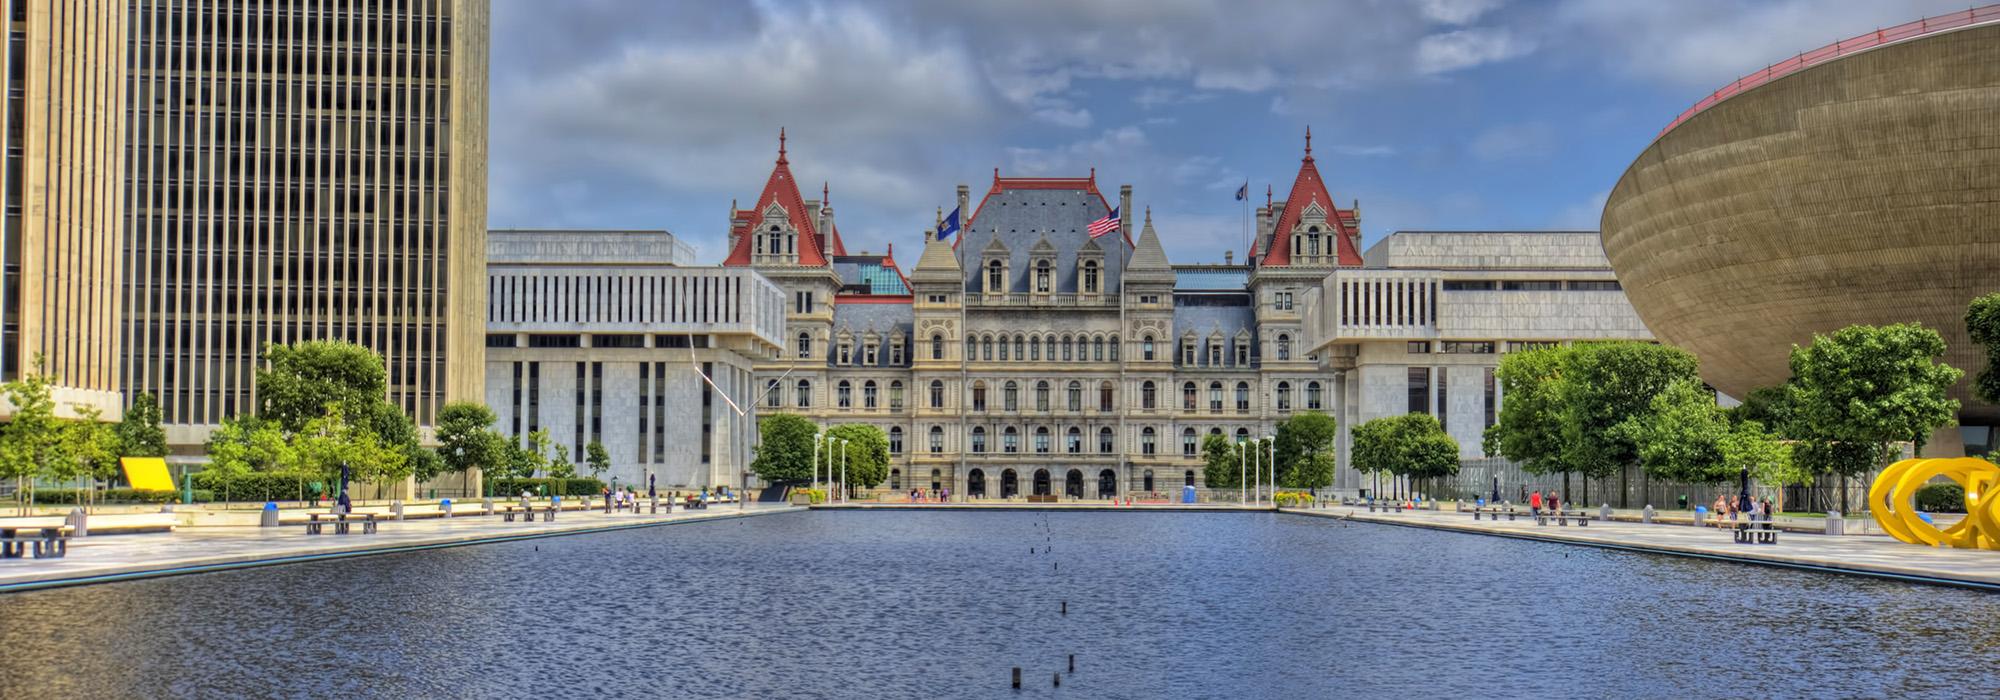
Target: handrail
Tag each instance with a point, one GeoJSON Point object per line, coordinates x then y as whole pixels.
{"type": "Point", "coordinates": [1879, 37]}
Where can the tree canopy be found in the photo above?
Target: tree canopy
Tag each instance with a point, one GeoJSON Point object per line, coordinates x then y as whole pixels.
{"type": "Point", "coordinates": [466, 438]}
{"type": "Point", "coordinates": [867, 453]}
{"type": "Point", "coordinates": [1606, 385]}
{"type": "Point", "coordinates": [1413, 445]}
{"type": "Point", "coordinates": [1871, 384]}
{"type": "Point", "coordinates": [1301, 438]}
{"type": "Point", "coordinates": [1530, 427]}
{"type": "Point", "coordinates": [1982, 322]}
{"type": "Point", "coordinates": [1680, 438]}
{"type": "Point", "coordinates": [1220, 464]}
{"type": "Point", "coordinates": [140, 434]}
{"type": "Point", "coordinates": [784, 448]}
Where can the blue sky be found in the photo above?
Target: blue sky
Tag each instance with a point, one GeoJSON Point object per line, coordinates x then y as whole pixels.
{"type": "Point", "coordinates": [1435, 114]}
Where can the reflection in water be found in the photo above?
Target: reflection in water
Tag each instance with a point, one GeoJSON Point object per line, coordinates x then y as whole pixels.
{"type": "Point", "coordinates": [930, 604]}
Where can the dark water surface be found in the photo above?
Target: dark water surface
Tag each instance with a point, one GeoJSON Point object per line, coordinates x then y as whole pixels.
{"type": "Point", "coordinates": [941, 604]}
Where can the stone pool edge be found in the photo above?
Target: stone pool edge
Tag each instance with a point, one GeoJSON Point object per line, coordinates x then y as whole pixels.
{"type": "Point", "coordinates": [1807, 564]}
{"type": "Point", "coordinates": [142, 571]}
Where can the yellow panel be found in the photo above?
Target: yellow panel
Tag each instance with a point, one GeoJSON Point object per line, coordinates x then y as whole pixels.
{"type": "Point", "coordinates": [147, 473]}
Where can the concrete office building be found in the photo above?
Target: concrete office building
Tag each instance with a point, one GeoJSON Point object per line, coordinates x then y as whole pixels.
{"type": "Point", "coordinates": [64, 184]}
{"type": "Point", "coordinates": [1858, 183]}
{"type": "Point", "coordinates": [606, 336]}
{"type": "Point", "coordinates": [1421, 326]}
{"type": "Point", "coordinates": [300, 171]}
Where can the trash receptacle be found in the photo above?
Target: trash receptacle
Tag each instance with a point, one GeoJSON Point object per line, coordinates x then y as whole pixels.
{"type": "Point", "coordinates": [269, 518]}
{"type": "Point", "coordinates": [1187, 494]}
{"type": "Point", "coordinates": [78, 521]}
{"type": "Point", "coordinates": [445, 506]}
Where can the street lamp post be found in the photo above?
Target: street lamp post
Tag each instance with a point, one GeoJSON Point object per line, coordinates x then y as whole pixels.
{"type": "Point", "coordinates": [817, 438]}
{"type": "Point", "coordinates": [1242, 473]}
{"type": "Point", "coordinates": [1273, 467]}
{"type": "Point", "coordinates": [843, 470]}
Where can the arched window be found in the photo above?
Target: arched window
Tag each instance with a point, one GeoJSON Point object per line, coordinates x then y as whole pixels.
{"type": "Point", "coordinates": [1003, 349]}
{"type": "Point", "coordinates": [844, 394]}
{"type": "Point", "coordinates": [896, 440]}
{"type": "Point", "coordinates": [804, 394]}
{"type": "Point", "coordinates": [1284, 346]}
{"type": "Point", "coordinates": [1188, 396]}
{"type": "Point", "coordinates": [1104, 396]}
{"type": "Point", "coordinates": [1010, 440]}
{"type": "Point", "coordinates": [995, 279]}
{"type": "Point", "coordinates": [1242, 397]}
{"type": "Point", "coordinates": [1050, 343]}
{"type": "Point", "coordinates": [1074, 442]}
{"type": "Point", "coordinates": [1187, 442]}
{"type": "Point", "coordinates": [937, 394]}
{"type": "Point", "coordinates": [773, 395]}
{"type": "Point", "coordinates": [1020, 348]}
{"type": "Point", "coordinates": [1076, 396]}
{"type": "Point", "coordinates": [971, 349]}
{"type": "Point", "coordinates": [1148, 396]}
{"type": "Point", "coordinates": [1035, 348]}
{"type": "Point", "coordinates": [978, 439]}
{"type": "Point", "coordinates": [1090, 277]}
{"type": "Point", "coordinates": [979, 396]}
{"type": "Point", "coordinates": [1188, 476]}
{"type": "Point", "coordinates": [896, 395]}
{"type": "Point", "coordinates": [805, 346]}
{"type": "Point", "coordinates": [1041, 440]}
{"type": "Point", "coordinates": [986, 348]}
{"type": "Point", "coordinates": [1146, 348]}
{"type": "Point", "coordinates": [1041, 396]}
{"type": "Point", "coordinates": [1104, 440]}
{"type": "Point", "coordinates": [869, 399]}
{"type": "Point", "coordinates": [1149, 481]}
{"type": "Point", "coordinates": [1147, 441]}
{"type": "Point", "coordinates": [1215, 397]}
{"type": "Point", "coordinates": [1010, 396]}
{"type": "Point", "coordinates": [1312, 396]}
{"type": "Point", "coordinates": [1043, 277]}
{"type": "Point", "coordinates": [896, 479]}
{"type": "Point", "coordinates": [1097, 349]}
{"type": "Point", "coordinates": [1067, 346]}
{"type": "Point", "coordinates": [1242, 434]}
{"type": "Point", "coordinates": [1114, 348]}
{"type": "Point", "coordinates": [937, 347]}
{"type": "Point", "coordinates": [937, 439]}
{"type": "Point", "coordinates": [1284, 396]}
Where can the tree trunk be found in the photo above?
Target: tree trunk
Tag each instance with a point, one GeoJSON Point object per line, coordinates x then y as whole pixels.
{"type": "Point", "coordinates": [1625, 486]}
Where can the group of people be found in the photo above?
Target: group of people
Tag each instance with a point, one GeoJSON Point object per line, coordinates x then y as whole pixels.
{"type": "Point", "coordinates": [930, 495]}
{"type": "Point", "coordinates": [1536, 501]}
{"type": "Point", "coordinates": [621, 498]}
{"type": "Point", "coordinates": [1743, 504]}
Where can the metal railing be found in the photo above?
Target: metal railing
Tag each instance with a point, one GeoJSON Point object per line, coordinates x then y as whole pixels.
{"type": "Point", "coordinates": [1879, 37]}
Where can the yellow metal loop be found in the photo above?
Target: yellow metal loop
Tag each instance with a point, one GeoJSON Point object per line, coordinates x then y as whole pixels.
{"type": "Point", "coordinates": [1893, 498]}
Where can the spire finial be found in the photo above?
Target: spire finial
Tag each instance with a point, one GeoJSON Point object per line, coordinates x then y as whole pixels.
{"type": "Point", "coordinates": [781, 144]}
{"type": "Point", "coordinates": [1267, 195]}
{"type": "Point", "coordinates": [1309, 141]}
{"type": "Point", "coordinates": [1093, 173]}
{"type": "Point", "coordinates": [1149, 215]}
{"type": "Point", "coordinates": [996, 173]}
{"type": "Point", "coordinates": [825, 194]}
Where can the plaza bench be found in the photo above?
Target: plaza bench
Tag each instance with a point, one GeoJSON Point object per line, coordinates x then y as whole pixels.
{"type": "Point", "coordinates": [1495, 511]}
{"type": "Point", "coordinates": [342, 522]}
{"type": "Point", "coordinates": [1562, 517]}
{"type": "Point", "coordinates": [1385, 506]}
{"type": "Point", "coordinates": [528, 511]}
{"type": "Point", "coordinates": [50, 541]}
{"type": "Point", "coordinates": [1754, 532]}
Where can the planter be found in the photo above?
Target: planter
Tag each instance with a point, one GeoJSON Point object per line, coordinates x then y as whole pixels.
{"type": "Point", "coordinates": [802, 499]}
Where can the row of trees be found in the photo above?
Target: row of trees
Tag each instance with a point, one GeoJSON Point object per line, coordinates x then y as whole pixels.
{"type": "Point", "coordinates": [789, 444]}
{"type": "Point", "coordinates": [36, 445]}
{"type": "Point", "coordinates": [1413, 447]}
{"type": "Point", "coordinates": [1302, 452]}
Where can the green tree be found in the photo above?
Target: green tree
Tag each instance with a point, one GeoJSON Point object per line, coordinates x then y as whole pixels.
{"type": "Point", "coordinates": [1220, 464]}
{"type": "Point", "coordinates": [1680, 435]}
{"type": "Point", "coordinates": [1605, 385]}
{"type": "Point", "coordinates": [559, 465]}
{"type": "Point", "coordinates": [245, 444]}
{"type": "Point", "coordinates": [1414, 446]}
{"type": "Point", "coordinates": [140, 434]}
{"type": "Point", "coordinates": [424, 463]}
{"type": "Point", "coordinates": [534, 458]}
{"type": "Point", "coordinates": [90, 450]}
{"type": "Point", "coordinates": [329, 442]}
{"type": "Point", "coordinates": [1747, 448]}
{"type": "Point", "coordinates": [299, 381]}
{"type": "Point", "coordinates": [1301, 438]}
{"type": "Point", "coordinates": [1855, 393]}
{"type": "Point", "coordinates": [467, 440]}
{"type": "Point", "coordinates": [1374, 450]}
{"type": "Point", "coordinates": [32, 446]}
{"type": "Point", "coordinates": [784, 448]}
{"type": "Point", "coordinates": [867, 453]}
{"type": "Point", "coordinates": [1530, 427]}
{"type": "Point", "coordinates": [1982, 322]}
{"type": "Point", "coordinates": [596, 458]}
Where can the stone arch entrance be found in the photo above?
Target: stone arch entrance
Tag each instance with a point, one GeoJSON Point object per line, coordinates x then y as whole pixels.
{"type": "Point", "coordinates": [1149, 482]}
{"type": "Point", "coordinates": [1042, 487]}
{"type": "Point", "coordinates": [975, 483]}
{"type": "Point", "coordinates": [1107, 484]}
{"type": "Point", "coordinates": [1010, 485]}
{"type": "Point", "coordinates": [1073, 484]}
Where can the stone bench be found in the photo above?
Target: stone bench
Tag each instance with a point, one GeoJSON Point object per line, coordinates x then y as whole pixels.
{"type": "Point", "coordinates": [1562, 517]}
{"type": "Point", "coordinates": [50, 541]}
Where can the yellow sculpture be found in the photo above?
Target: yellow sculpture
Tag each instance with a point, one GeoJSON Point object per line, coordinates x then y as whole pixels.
{"type": "Point", "coordinates": [1894, 493]}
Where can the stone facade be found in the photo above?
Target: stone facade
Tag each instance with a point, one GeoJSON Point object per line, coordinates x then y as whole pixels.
{"type": "Point", "coordinates": [614, 349]}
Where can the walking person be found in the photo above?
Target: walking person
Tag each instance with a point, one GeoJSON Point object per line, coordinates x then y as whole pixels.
{"type": "Point", "coordinates": [1535, 503]}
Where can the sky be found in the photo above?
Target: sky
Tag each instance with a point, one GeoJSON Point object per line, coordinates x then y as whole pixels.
{"type": "Point", "coordinates": [1433, 114]}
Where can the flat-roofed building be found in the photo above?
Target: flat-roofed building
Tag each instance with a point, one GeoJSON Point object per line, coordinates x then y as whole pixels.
{"type": "Point", "coordinates": [609, 337]}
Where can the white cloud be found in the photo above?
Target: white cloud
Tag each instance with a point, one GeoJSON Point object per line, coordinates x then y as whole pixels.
{"type": "Point", "coordinates": [1529, 140]}
{"type": "Point", "coordinates": [1465, 48]}
{"type": "Point", "coordinates": [1255, 79]}
{"type": "Point", "coordinates": [1370, 151]}
{"type": "Point", "coordinates": [1457, 11]}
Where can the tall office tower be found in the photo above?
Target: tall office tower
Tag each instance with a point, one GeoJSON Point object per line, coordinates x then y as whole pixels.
{"type": "Point", "coordinates": [304, 169]}
{"type": "Point", "coordinates": [64, 119]}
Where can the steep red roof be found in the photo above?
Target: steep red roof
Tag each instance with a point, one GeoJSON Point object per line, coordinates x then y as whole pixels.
{"type": "Point", "coordinates": [1308, 189]}
{"type": "Point", "coordinates": [784, 190]}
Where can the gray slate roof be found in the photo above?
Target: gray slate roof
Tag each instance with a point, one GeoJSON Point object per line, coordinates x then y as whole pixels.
{"type": "Point", "coordinates": [884, 319]}
{"type": "Point", "coordinates": [1019, 218]}
{"type": "Point", "coordinates": [1205, 319]}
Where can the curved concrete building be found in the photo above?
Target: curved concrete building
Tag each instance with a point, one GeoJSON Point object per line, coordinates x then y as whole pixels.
{"type": "Point", "coordinates": [1856, 184]}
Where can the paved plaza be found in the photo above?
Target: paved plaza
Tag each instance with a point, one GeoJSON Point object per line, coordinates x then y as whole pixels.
{"type": "Point", "coordinates": [208, 548]}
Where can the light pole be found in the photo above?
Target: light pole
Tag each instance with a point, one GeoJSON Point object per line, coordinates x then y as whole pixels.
{"type": "Point", "coordinates": [843, 469]}
{"type": "Point", "coordinates": [817, 438]}
{"type": "Point", "coordinates": [1242, 473]}
{"type": "Point", "coordinates": [1272, 465]}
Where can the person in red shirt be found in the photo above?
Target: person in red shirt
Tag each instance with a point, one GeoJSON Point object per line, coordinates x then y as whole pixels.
{"type": "Point", "coordinates": [1535, 503]}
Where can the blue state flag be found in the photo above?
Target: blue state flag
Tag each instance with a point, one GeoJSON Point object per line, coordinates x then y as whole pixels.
{"type": "Point", "coordinates": [1243, 193]}
{"type": "Point", "coordinates": [950, 226]}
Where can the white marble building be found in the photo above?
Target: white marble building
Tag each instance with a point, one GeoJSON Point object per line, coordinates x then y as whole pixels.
{"type": "Point", "coordinates": [1423, 323]}
{"type": "Point", "coordinates": [606, 335]}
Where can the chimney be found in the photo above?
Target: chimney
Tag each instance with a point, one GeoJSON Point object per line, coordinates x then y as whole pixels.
{"type": "Point", "coordinates": [1228, 257]}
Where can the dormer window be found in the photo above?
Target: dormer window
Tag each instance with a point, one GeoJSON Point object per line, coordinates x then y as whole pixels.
{"type": "Point", "coordinates": [1090, 277]}
{"type": "Point", "coordinates": [996, 278]}
{"type": "Point", "coordinates": [1044, 274]}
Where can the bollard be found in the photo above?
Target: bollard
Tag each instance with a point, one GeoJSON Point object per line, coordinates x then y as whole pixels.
{"type": "Point", "coordinates": [1604, 512]}
{"type": "Point", "coordinates": [79, 520]}
{"type": "Point", "coordinates": [1646, 516]}
{"type": "Point", "coordinates": [168, 508]}
{"type": "Point", "coordinates": [1698, 517]}
{"type": "Point", "coordinates": [486, 505]}
{"type": "Point", "coordinates": [1834, 524]}
{"type": "Point", "coordinates": [269, 518]}
{"type": "Point", "coordinates": [396, 509]}
{"type": "Point", "coordinates": [445, 506]}
{"type": "Point", "coordinates": [1017, 678]}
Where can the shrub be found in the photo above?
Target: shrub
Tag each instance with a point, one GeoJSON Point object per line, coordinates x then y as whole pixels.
{"type": "Point", "coordinates": [258, 486]}
{"type": "Point", "coordinates": [1941, 498]}
{"type": "Point", "coordinates": [817, 495]}
{"type": "Point", "coordinates": [1287, 499]}
{"type": "Point", "coordinates": [511, 487]}
{"type": "Point", "coordinates": [61, 496]}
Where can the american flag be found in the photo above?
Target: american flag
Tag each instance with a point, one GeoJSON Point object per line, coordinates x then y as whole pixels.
{"type": "Point", "coordinates": [1105, 225]}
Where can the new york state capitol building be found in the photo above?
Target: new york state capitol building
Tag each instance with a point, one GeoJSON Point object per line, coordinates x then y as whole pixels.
{"type": "Point", "coordinates": [1024, 356]}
